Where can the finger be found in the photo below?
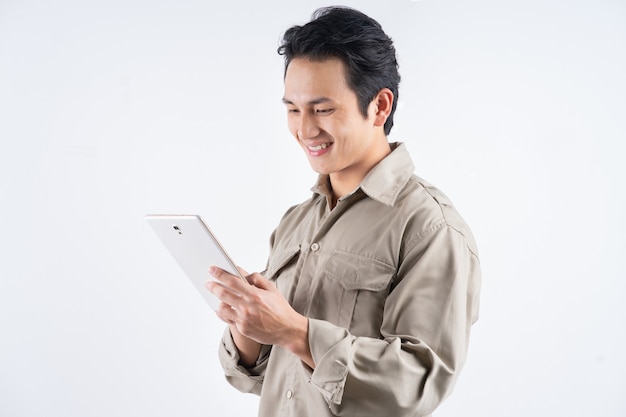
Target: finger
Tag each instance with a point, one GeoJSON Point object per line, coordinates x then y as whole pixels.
{"type": "Point", "coordinates": [228, 279]}
{"type": "Point", "coordinates": [226, 313]}
{"type": "Point", "coordinates": [244, 274]}
{"type": "Point", "coordinates": [224, 293]}
{"type": "Point", "coordinates": [261, 282]}
{"type": "Point", "coordinates": [216, 286]}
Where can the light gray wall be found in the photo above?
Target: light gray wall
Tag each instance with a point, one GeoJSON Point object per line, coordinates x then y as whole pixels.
{"type": "Point", "coordinates": [113, 109]}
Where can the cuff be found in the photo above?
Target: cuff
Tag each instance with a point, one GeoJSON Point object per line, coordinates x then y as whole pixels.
{"type": "Point", "coordinates": [330, 348]}
{"type": "Point", "coordinates": [242, 378]}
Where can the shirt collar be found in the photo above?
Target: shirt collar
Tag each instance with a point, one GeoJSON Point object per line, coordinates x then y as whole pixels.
{"type": "Point", "coordinates": [384, 182]}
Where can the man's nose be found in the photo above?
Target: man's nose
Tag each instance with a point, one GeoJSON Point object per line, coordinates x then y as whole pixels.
{"type": "Point", "coordinates": [308, 127]}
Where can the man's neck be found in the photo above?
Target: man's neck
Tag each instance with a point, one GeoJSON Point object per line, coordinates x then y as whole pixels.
{"type": "Point", "coordinates": [344, 182]}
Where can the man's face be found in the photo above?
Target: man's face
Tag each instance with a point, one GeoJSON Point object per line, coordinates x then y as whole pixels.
{"type": "Point", "coordinates": [324, 117]}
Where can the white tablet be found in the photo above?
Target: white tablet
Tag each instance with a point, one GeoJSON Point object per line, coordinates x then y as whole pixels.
{"type": "Point", "coordinates": [194, 247]}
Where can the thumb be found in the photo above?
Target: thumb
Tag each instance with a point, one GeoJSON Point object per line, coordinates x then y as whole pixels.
{"type": "Point", "coordinates": [260, 281]}
{"type": "Point", "coordinates": [242, 271]}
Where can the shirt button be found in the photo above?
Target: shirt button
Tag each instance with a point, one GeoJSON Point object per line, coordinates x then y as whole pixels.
{"type": "Point", "coordinates": [315, 247]}
{"type": "Point", "coordinates": [289, 394]}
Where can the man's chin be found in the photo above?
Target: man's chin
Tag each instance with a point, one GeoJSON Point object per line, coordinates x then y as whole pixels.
{"type": "Point", "coordinates": [320, 169]}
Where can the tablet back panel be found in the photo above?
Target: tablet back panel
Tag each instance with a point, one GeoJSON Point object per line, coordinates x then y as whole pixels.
{"type": "Point", "coordinates": [194, 247]}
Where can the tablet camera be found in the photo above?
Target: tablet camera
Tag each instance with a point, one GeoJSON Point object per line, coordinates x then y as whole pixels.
{"type": "Point", "coordinates": [177, 229]}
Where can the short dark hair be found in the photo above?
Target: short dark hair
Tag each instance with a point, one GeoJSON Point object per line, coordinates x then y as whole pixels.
{"type": "Point", "coordinates": [359, 41]}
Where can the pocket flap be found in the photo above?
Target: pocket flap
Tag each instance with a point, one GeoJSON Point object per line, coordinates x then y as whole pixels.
{"type": "Point", "coordinates": [356, 272]}
{"type": "Point", "coordinates": [279, 260]}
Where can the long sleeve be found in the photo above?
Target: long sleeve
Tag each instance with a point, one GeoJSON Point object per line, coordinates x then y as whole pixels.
{"type": "Point", "coordinates": [424, 336]}
{"type": "Point", "coordinates": [248, 380]}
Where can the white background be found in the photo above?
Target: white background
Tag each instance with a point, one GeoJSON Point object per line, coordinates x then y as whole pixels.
{"type": "Point", "coordinates": [113, 109]}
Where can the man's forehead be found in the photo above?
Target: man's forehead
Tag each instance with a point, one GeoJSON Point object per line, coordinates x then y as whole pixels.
{"type": "Point", "coordinates": [315, 82]}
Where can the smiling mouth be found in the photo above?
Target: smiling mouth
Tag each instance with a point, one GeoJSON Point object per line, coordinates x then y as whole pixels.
{"type": "Point", "coordinates": [319, 147]}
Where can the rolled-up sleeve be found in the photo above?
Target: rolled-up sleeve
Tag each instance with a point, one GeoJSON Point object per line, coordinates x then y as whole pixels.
{"type": "Point", "coordinates": [249, 380]}
{"type": "Point", "coordinates": [423, 340]}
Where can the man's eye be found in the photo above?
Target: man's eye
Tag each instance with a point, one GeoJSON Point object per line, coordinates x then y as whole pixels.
{"type": "Point", "coordinates": [324, 111]}
{"type": "Point", "coordinates": [293, 111]}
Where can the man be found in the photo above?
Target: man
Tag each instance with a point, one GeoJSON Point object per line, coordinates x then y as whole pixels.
{"type": "Point", "coordinates": [372, 284]}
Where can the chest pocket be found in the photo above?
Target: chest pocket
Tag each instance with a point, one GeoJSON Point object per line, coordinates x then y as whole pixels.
{"type": "Point", "coordinates": [353, 292]}
{"type": "Point", "coordinates": [281, 270]}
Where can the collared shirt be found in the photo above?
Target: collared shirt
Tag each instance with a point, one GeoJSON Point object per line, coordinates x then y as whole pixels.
{"type": "Point", "coordinates": [389, 279]}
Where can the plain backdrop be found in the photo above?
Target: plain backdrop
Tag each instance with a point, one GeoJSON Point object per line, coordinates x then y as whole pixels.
{"type": "Point", "coordinates": [113, 109]}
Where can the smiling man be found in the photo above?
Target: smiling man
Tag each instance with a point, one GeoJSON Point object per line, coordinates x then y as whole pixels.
{"type": "Point", "coordinates": [372, 284]}
{"type": "Point", "coordinates": [324, 116]}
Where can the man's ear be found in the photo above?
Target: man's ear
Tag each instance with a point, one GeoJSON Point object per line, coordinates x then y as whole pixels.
{"type": "Point", "coordinates": [382, 103]}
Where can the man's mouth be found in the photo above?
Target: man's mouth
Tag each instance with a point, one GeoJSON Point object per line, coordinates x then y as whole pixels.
{"type": "Point", "coordinates": [319, 147]}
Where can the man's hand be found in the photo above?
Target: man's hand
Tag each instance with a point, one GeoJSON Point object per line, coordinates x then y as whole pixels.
{"type": "Point", "coordinates": [260, 312]}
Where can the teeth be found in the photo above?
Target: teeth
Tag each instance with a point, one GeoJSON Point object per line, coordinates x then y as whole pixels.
{"type": "Point", "coordinates": [319, 147]}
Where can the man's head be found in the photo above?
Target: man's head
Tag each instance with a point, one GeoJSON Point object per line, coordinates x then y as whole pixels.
{"type": "Point", "coordinates": [358, 41]}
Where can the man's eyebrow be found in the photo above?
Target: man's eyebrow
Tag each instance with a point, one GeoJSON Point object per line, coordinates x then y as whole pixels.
{"type": "Point", "coordinates": [313, 102]}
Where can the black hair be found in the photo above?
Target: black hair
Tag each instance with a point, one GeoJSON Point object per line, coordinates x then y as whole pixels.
{"type": "Point", "coordinates": [359, 41]}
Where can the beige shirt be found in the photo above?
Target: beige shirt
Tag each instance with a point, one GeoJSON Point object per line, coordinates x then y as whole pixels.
{"type": "Point", "coordinates": [389, 280]}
